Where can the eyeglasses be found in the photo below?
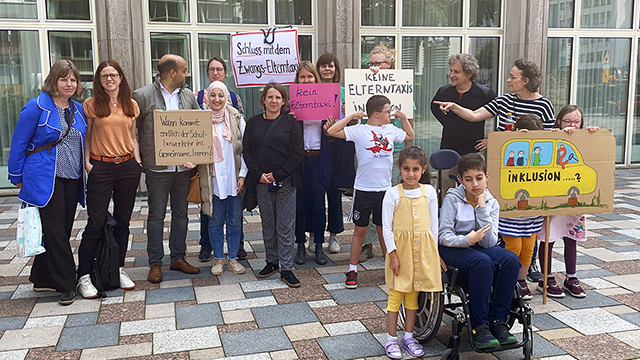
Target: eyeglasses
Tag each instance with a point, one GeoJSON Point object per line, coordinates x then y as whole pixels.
{"type": "Point", "coordinates": [511, 77]}
{"type": "Point", "coordinates": [113, 76]}
{"type": "Point", "coordinates": [377, 63]}
{"type": "Point", "coordinates": [216, 70]}
{"type": "Point", "coordinates": [576, 122]}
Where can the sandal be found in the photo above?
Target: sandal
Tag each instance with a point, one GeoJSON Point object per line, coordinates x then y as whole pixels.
{"type": "Point", "coordinates": [413, 347]}
{"type": "Point", "coordinates": [393, 349]}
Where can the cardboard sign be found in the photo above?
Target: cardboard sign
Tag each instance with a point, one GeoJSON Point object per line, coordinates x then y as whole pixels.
{"type": "Point", "coordinates": [315, 101]}
{"type": "Point", "coordinates": [552, 173]}
{"type": "Point", "coordinates": [361, 84]}
{"type": "Point", "coordinates": [260, 57]}
{"type": "Point", "coordinates": [183, 135]}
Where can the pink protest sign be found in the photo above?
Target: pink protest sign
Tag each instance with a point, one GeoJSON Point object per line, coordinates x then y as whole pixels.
{"type": "Point", "coordinates": [315, 101]}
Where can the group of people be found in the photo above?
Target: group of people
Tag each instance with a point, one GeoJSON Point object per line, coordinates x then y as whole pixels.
{"type": "Point", "coordinates": [289, 167]}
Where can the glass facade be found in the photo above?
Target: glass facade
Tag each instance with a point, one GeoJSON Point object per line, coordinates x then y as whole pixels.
{"type": "Point", "coordinates": [168, 10]}
{"type": "Point", "coordinates": [68, 10]}
{"type": "Point", "coordinates": [234, 11]}
{"type": "Point", "coordinates": [26, 9]}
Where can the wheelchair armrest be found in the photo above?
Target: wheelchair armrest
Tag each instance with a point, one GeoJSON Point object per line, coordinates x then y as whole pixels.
{"type": "Point", "coordinates": [450, 277]}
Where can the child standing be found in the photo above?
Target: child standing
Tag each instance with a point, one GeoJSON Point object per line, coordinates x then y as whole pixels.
{"type": "Point", "coordinates": [410, 228]}
{"type": "Point", "coordinates": [374, 149]}
{"type": "Point", "coordinates": [571, 228]}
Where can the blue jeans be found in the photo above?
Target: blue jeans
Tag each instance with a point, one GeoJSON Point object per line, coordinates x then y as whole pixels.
{"type": "Point", "coordinates": [310, 201]}
{"type": "Point", "coordinates": [495, 267]}
{"type": "Point", "coordinates": [229, 212]}
{"type": "Point", "coordinates": [204, 232]}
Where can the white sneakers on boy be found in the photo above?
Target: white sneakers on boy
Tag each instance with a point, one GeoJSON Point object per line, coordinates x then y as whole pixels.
{"type": "Point", "coordinates": [85, 288]}
{"type": "Point", "coordinates": [125, 281]}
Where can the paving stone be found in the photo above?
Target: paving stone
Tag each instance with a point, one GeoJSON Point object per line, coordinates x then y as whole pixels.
{"type": "Point", "coordinates": [229, 277]}
{"type": "Point", "coordinates": [631, 338]}
{"type": "Point", "coordinates": [115, 313]}
{"type": "Point", "coordinates": [135, 295]}
{"type": "Point", "coordinates": [633, 318]}
{"type": "Point", "coordinates": [237, 327]}
{"type": "Point", "coordinates": [185, 340]}
{"type": "Point", "coordinates": [262, 340]}
{"type": "Point", "coordinates": [546, 322]}
{"type": "Point", "coordinates": [175, 283]}
{"type": "Point", "coordinates": [16, 307]}
{"type": "Point", "coordinates": [198, 315]}
{"type": "Point", "coordinates": [627, 248]}
{"type": "Point", "coordinates": [361, 294]}
{"type": "Point", "coordinates": [147, 326]}
{"type": "Point", "coordinates": [307, 292]}
{"type": "Point", "coordinates": [247, 303]}
{"type": "Point", "coordinates": [135, 339]}
{"type": "Point", "coordinates": [117, 351]}
{"type": "Point", "coordinates": [350, 346]}
{"type": "Point", "coordinates": [12, 323]}
{"type": "Point", "coordinates": [601, 346]}
{"type": "Point", "coordinates": [169, 295]}
{"type": "Point", "coordinates": [82, 319]}
{"type": "Point", "coordinates": [163, 310]}
{"type": "Point", "coordinates": [26, 291]}
{"type": "Point", "coordinates": [283, 355]}
{"type": "Point", "coordinates": [593, 321]}
{"type": "Point", "coordinates": [597, 283]}
{"type": "Point", "coordinates": [263, 285]}
{"type": "Point", "coordinates": [5, 295]}
{"type": "Point", "coordinates": [281, 315]}
{"type": "Point", "coordinates": [308, 349]}
{"type": "Point", "coordinates": [630, 282]}
{"type": "Point", "coordinates": [343, 328]}
{"type": "Point", "coordinates": [593, 273]}
{"type": "Point", "coordinates": [45, 321]}
{"type": "Point", "coordinates": [206, 354]}
{"type": "Point", "coordinates": [321, 303]}
{"type": "Point", "coordinates": [333, 278]}
{"type": "Point", "coordinates": [541, 349]}
{"type": "Point", "coordinates": [348, 312]}
{"type": "Point", "coordinates": [28, 338]}
{"type": "Point", "coordinates": [219, 293]}
{"type": "Point", "coordinates": [305, 331]}
{"type": "Point", "coordinates": [237, 316]}
{"type": "Point", "coordinates": [258, 294]}
{"type": "Point", "coordinates": [53, 308]}
{"type": "Point", "coordinates": [562, 333]}
{"type": "Point", "coordinates": [84, 337]}
{"type": "Point", "coordinates": [593, 299]}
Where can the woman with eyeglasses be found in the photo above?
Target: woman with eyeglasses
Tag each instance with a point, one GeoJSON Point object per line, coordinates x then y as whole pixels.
{"type": "Point", "coordinates": [113, 165]}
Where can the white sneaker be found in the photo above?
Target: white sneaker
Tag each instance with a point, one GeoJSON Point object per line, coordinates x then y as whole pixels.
{"type": "Point", "coordinates": [334, 245]}
{"type": "Point", "coordinates": [125, 281]}
{"type": "Point", "coordinates": [85, 288]}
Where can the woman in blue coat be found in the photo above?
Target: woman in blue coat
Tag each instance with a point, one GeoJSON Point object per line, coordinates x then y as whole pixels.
{"type": "Point", "coordinates": [45, 162]}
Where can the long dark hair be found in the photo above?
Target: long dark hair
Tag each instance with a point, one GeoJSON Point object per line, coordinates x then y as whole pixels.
{"type": "Point", "coordinates": [101, 105]}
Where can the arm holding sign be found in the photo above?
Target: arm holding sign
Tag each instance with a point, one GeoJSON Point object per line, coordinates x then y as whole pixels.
{"type": "Point", "coordinates": [337, 129]}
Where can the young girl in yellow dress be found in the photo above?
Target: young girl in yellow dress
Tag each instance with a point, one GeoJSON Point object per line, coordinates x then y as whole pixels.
{"type": "Point", "coordinates": [410, 230]}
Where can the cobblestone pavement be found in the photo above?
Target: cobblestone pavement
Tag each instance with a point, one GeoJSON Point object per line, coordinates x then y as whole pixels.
{"type": "Point", "coordinates": [240, 317]}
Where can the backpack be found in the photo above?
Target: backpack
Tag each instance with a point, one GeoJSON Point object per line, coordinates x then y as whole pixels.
{"type": "Point", "coordinates": [105, 269]}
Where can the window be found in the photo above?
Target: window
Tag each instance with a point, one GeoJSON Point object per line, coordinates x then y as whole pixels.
{"type": "Point", "coordinates": [293, 12]}
{"type": "Point", "coordinates": [168, 10]}
{"type": "Point", "coordinates": [367, 43]}
{"type": "Point", "coordinates": [435, 13]}
{"type": "Point", "coordinates": [170, 43]}
{"type": "Point", "coordinates": [484, 13]}
{"type": "Point", "coordinates": [77, 47]}
{"type": "Point", "coordinates": [68, 9]}
{"type": "Point", "coordinates": [620, 19]}
{"type": "Point", "coordinates": [558, 75]}
{"type": "Point", "coordinates": [378, 13]}
{"type": "Point", "coordinates": [635, 141]}
{"type": "Point", "coordinates": [487, 51]}
{"type": "Point", "coordinates": [232, 11]}
{"type": "Point", "coordinates": [26, 9]}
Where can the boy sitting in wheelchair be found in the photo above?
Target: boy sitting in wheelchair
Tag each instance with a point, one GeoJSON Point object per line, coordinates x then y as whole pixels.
{"type": "Point", "coordinates": [468, 237]}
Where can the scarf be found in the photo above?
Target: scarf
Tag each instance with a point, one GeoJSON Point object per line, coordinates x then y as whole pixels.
{"type": "Point", "coordinates": [217, 117]}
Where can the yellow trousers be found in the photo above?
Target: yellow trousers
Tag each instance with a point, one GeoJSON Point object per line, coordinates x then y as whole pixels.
{"type": "Point", "coordinates": [396, 297]}
{"type": "Point", "coordinates": [521, 246]}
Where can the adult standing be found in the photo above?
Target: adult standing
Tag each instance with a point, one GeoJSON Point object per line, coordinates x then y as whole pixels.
{"type": "Point", "coordinates": [315, 170]}
{"type": "Point", "coordinates": [45, 162]}
{"type": "Point", "coordinates": [343, 153]}
{"type": "Point", "coordinates": [457, 133]}
{"type": "Point", "coordinates": [168, 92]}
{"type": "Point", "coordinates": [113, 166]}
{"type": "Point", "coordinates": [217, 71]}
{"type": "Point", "coordinates": [273, 149]}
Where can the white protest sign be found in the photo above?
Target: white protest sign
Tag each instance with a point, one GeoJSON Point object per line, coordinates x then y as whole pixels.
{"type": "Point", "coordinates": [260, 57]}
{"type": "Point", "coordinates": [361, 84]}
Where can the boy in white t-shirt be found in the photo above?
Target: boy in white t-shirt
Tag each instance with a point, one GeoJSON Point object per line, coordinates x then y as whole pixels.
{"type": "Point", "coordinates": [374, 149]}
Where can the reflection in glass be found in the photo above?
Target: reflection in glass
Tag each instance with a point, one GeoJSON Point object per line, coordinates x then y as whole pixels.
{"type": "Point", "coordinates": [427, 56]}
{"type": "Point", "coordinates": [25, 9]}
{"type": "Point", "coordinates": [603, 85]}
{"type": "Point", "coordinates": [20, 80]}
{"type": "Point", "coordinates": [487, 51]}
{"type": "Point", "coordinates": [77, 47]}
{"type": "Point", "coordinates": [561, 13]}
{"type": "Point", "coordinates": [367, 43]}
{"type": "Point", "coordinates": [635, 144]}
{"type": "Point", "coordinates": [68, 9]}
{"type": "Point", "coordinates": [304, 47]}
{"type": "Point", "coordinates": [167, 43]}
{"type": "Point", "coordinates": [168, 10]}
{"type": "Point", "coordinates": [484, 13]}
{"type": "Point", "coordinates": [232, 11]}
{"type": "Point", "coordinates": [293, 12]}
{"type": "Point", "coordinates": [558, 75]}
{"type": "Point", "coordinates": [615, 14]}
{"type": "Point", "coordinates": [378, 13]}
{"type": "Point", "coordinates": [440, 13]}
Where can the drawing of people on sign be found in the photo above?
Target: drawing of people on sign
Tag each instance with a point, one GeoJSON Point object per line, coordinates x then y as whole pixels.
{"type": "Point", "coordinates": [536, 156]}
{"type": "Point", "coordinates": [511, 160]}
{"type": "Point", "coordinates": [521, 160]}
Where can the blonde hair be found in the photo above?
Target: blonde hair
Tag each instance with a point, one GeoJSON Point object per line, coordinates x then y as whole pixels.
{"type": "Point", "coordinates": [389, 54]}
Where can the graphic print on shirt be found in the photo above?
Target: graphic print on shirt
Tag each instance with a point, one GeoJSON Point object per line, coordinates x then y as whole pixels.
{"type": "Point", "coordinates": [380, 142]}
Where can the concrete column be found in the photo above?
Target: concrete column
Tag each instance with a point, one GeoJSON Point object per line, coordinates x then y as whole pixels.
{"type": "Point", "coordinates": [525, 33]}
{"type": "Point", "coordinates": [120, 34]}
{"type": "Point", "coordinates": [338, 30]}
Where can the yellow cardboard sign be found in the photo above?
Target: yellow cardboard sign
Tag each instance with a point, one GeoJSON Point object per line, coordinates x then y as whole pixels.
{"type": "Point", "coordinates": [183, 135]}
{"type": "Point", "coordinates": [552, 173]}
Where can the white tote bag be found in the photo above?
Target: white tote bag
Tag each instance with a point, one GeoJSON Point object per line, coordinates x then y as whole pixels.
{"type": "Point", "coordinates": [29, 233]}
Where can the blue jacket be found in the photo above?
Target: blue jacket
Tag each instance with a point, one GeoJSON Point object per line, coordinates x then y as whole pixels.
{"type": "Point", "coordinates": [38, 125]}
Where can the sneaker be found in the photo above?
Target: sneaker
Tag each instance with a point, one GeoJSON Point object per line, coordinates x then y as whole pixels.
{"type": "Point", "coordinates": [125, 281]}
{"type": "Point", "coordinates": [367, 250]}
{"type": "Point", "coordinates": [237, 268]}
{"type": "Point", "coordinates": [572, 285]}
{"type": "Point", "coordinates": [269, 269]}
{"type": "Point", "coordinates": [392, 349]}
{"type": "Point", "coordinates": [413, 347]}
{"type": "Point", "coordinates": [85, 288]}
{"type": "Point", "coordinates": [482, 338]}
{"type": "Point", "coordinates": [287, 277]}
{"type": "Point", "coordinates": [334, 245]}
{"type": "Point", "coordinates": [242, 253]}
{"type": "Point", "coordinates": [501, 333]}
{"type": "Point", "coordinates": [205, 254]}
{"type": "Point", "coordinates": [217, 269]}
{"type": "Point", "coordinates": [67, 297]}
{"type": "Point", "coordinates": [533, 274]}
{"type": "Point", "coordinates": [552, 288]}
{"type": "Point", "coordinates": [351, 282]}
{"type": "Point", "coordinates": [524, 290]}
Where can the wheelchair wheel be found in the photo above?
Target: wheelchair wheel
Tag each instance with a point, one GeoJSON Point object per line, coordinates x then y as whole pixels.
{"type": "Point", "coordinates": [527, 349]}
{"type": "Point", "coordinates": [446, 355]}
{"type": "Point", "coordinates": [428, 317]}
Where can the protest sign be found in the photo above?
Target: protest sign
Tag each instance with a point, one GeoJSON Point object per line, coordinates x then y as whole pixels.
{"type": "Point", "coordinates": [183, 135]}
{"type": "Point", "coordinates": [260, 57]}
{"type": "Point", "coordinates": [361, 84]}
{"type": "Point", "coordinates": [552, 173]}
{"type": "Point", "coordinates": [315, 101]}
